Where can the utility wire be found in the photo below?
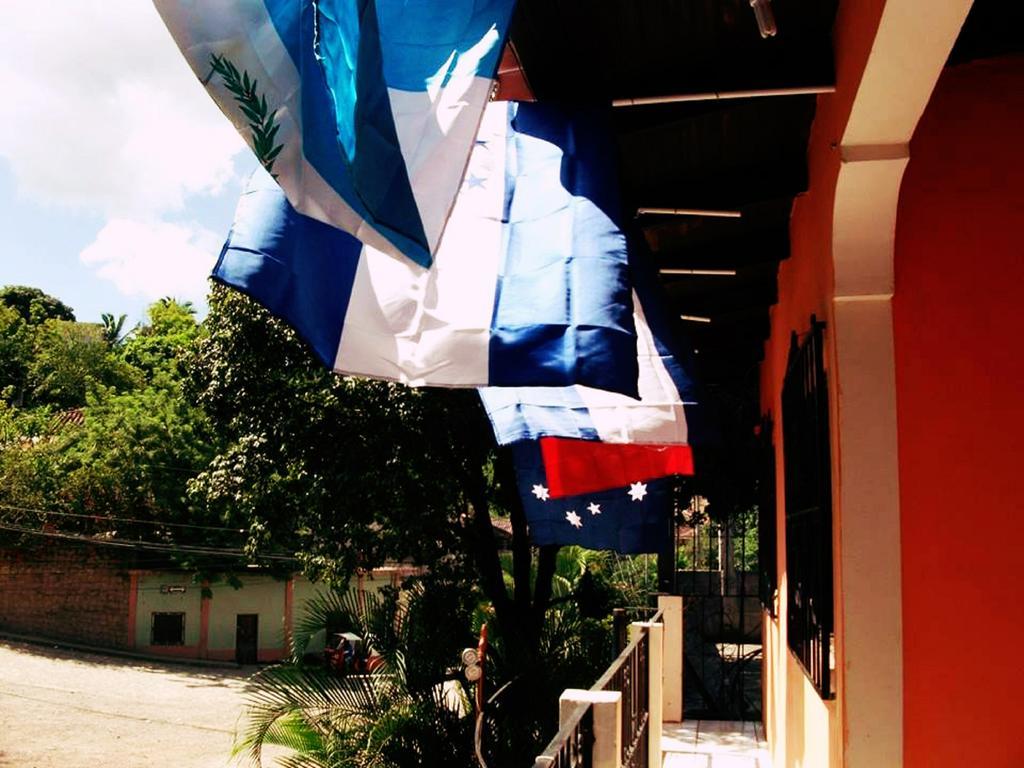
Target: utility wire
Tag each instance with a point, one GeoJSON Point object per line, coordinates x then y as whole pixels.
{"type": "Point", "coordinates": [148, 545]}
{"type": "Point", "coordinates": [121, 519]}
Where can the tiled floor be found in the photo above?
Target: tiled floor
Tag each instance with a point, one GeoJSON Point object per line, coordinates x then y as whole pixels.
{"type": "Point", "coordinates": [714, 744]}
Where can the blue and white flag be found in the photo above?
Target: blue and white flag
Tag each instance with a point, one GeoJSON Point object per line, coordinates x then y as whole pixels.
{"type": "Point", "coordinates": [530, 286]}
{"type": "Point", "coordinates": [629, 519]}
{"type": "Point", "coordinates": [364, 110]}
{"type": "Point", "coordinates": [664, 414]}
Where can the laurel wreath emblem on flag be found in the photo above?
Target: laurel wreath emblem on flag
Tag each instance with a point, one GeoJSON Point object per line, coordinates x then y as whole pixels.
{"type": "Point", "coordinates": [262, 125]}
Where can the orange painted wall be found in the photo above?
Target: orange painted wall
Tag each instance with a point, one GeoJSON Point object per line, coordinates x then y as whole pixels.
{"type": "Point", "coordinates": [803, 730]}
{"type": "Point", "coordinates": [959, 333]}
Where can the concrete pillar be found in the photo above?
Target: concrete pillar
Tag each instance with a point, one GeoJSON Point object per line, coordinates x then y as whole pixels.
{"type": "Point", "coordinates": [607, 708]}
{"type": "Point", "coordinates": [656, 671]}
{"type": "Point", "coordinates": [672, 692]}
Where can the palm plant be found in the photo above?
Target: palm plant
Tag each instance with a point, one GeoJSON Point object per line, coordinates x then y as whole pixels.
{"type": "Point", "coordinates": [112, 328]}
{"type": "Point", "coordinates": [408, 712]}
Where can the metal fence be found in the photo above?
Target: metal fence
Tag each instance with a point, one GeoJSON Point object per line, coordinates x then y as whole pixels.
{"type": "Point", "coordinates": [573, 745]}
{"type": "Point", "coordinates": [629, 675]}
{"type": "Point", "coordinates": [718, 580]}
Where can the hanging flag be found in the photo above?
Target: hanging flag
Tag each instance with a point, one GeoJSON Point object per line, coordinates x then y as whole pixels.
{"type": "Point", "coordinates": [365, 111]}
{"type": "Point", "coordinates": [632, 518]}
{"type": "Point", "coordinates": [529, 287]}
{"type": "Point", "coordinates": [664, 414]}
{"type": "Point", "coordinates": [584, 466]}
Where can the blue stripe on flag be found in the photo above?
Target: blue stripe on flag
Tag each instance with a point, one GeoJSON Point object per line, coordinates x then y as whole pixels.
{"type": "Point", "coordinates": [296, 267]}
{"type": "Point", "coordinates": [554, 411]}
{"type": "Point", "coordinates": [521, 413]}
{"type": "Point", "coordinates": [348, 130]}
{"type": "Point", "coordinates": [563, 301]}
{"type": "Point", "coordinates": [456, 29]}
{"type": "Point", "coordinates": [394, 329]}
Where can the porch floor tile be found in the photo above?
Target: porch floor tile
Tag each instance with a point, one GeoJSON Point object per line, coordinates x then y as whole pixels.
{"type": "Point", "coordinates": [714, 744]}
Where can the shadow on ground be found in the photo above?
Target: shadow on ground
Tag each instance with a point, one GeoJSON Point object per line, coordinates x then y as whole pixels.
{"type": "Point", "coordinates": [203, 676]}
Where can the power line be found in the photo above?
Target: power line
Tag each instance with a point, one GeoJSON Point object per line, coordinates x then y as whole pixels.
{"type": "Point", "coordinates": [121, 519]}
{"type": "Point", "coordinates": [147, 545]}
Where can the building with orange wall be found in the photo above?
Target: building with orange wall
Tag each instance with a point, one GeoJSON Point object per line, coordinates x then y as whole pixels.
{"type": "Point", "coordinates": [909, 246]}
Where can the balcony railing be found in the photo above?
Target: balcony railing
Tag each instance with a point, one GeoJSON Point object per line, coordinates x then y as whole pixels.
{"type": "Point", "coordinates": [573, 745]}
{"type": "Point", "coordinates": [617, 722]}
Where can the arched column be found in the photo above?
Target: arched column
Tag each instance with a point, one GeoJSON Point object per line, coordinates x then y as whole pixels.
{"type": "Point", "coordinates": [910, 48]}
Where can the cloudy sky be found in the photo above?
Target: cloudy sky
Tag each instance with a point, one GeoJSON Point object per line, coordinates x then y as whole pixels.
{"type": "Point", "coordinates": [118, 175]}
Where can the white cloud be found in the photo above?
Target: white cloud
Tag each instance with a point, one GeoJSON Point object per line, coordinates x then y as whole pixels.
{"type": "Point", "coordinates": [103, 114]}
{"type": "Point", "coordinates": [154, 259]}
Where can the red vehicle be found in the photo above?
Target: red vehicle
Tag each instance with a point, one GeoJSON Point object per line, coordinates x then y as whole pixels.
{"type": "Point", "coordinates": [346, 653]}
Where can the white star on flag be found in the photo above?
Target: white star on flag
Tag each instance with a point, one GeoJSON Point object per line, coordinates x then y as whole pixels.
{"type": "Point", "coordinates": [595, 509]}
{"type": "Point", "coordinates": [540, 492]}
{"type": "Point", "coordinates": [573, 519]}
{"type": "Point", "coordinates": [637, 491]}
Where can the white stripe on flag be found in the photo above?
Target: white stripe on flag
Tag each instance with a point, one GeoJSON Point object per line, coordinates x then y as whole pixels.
{"type": "Point", "coordinates": [658, 417]}
{"type": "Point", "coordinates": [414, 325]}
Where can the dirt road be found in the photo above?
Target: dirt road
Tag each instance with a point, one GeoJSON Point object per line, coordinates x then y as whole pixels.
{"type": "Point", "coordinates": [67, 709]}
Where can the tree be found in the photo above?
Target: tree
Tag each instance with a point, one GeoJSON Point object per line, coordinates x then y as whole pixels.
{"type": "Point", "coordinates": [34, 305]}
{"type": "Point", "coordinates": [112, 328]}
{"type": "Point", "coordinates": [15, 354]}
{"type": "Point", "coordinates": [409, 712]}
{"type": "Point", "coordinates": [160, 345]}
{"type": "Point", "coordinates": [68, 358]}
{"type": "Point", "coordinates": [132, 444]}
{"type": "Point", "coordinates": [349, 473]}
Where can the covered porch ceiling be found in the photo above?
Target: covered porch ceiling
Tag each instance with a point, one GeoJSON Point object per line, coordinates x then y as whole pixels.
{"type": "Point", "coordinates": [723, 154]}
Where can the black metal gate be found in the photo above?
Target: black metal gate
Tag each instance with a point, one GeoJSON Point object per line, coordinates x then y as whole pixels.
{"type": "Point", "coordinates": [718, 577]}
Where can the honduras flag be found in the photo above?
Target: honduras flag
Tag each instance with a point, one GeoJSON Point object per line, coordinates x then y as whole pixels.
{"type": "Point", "coordinates": [530, 286]}
{"type": "Point", "coordinates": [664, 414]}
{"type": "Point", "coordinates": [365, 111]}
{"type": "Point", "coordinates": [630, 518]}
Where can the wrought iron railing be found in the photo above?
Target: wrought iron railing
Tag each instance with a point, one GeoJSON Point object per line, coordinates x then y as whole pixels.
{"type": "Point", "coordinates": [629, 675]}
{"type": "Point", "coordinates": [573, 745]}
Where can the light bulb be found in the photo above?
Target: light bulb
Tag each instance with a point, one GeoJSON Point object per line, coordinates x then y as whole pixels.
{"type": "Point", "coordinates": [765, 17]}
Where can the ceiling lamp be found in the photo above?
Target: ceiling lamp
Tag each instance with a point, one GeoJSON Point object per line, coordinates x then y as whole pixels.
{"type": "Point", "coordinates": [765, 17]}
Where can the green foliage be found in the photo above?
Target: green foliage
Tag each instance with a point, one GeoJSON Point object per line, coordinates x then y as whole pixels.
{"type": "Point", "coordinates": [112, 328]}
{"type": "Point", "coordinates": [15, 354]}
{"type": "Point", "coordinates": [744, 540]}
{"type": "Point", "coordinates": [160, 346]}
{"type": "Point", "coordinates": [99, 437]}
{"type": "Point", "coordinates": [130, 458]}
{"type": "Point", "coordinates": [33, 305]}
{"type": "Point", "coordinates": [346, 472]}
{"type": "Point", "coordinates": [68, 359]}
{"type": "Point", "coordinates": [409, 712]}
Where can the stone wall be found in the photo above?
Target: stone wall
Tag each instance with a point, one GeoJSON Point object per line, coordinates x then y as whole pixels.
{"type": "Point", "coordinates": [66, 592]}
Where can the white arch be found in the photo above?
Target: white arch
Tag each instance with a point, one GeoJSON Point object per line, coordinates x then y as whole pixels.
{"type": "Point", "coordinates": [910, 48]}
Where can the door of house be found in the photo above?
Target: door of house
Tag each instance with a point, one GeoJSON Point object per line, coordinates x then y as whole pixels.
{"type": "Point", "coordinates": [246, 637]}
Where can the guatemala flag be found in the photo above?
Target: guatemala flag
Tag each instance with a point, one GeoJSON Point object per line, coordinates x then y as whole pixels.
{"type": "Point", "coordinates": [631, 518]}
{"type": "Point", "coordinates": [365, 111]}
{"type": "Point", "coordinates": [530, 286]}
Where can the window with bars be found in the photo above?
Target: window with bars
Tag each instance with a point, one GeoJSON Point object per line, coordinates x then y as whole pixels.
{"type": "Point", "coordinates": [767, 558]}
{"type": "Point", "coordinates": [808, 484]}
{"type": "Point", "coordinates": [168, 629]}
